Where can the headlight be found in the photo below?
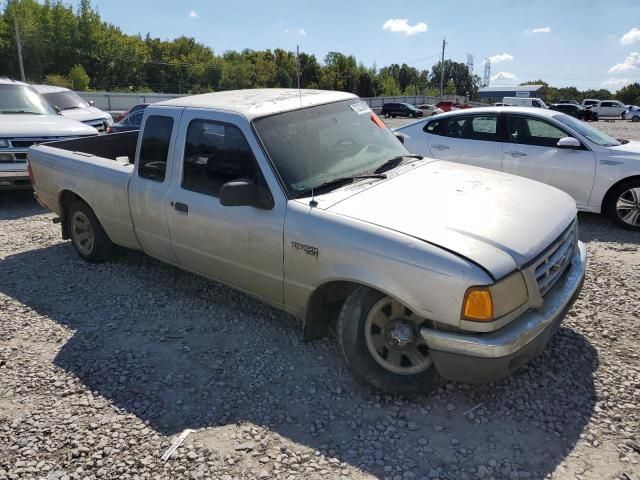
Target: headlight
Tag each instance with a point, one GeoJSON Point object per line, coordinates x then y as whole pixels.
{"type": "Point", "coordinates": [490, 302]}
{"type": "Point", "coordinates": [4, 142]}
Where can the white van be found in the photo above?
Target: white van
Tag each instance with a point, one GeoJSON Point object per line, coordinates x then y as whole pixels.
{"type": "Point", "coordinates": [524, 102]}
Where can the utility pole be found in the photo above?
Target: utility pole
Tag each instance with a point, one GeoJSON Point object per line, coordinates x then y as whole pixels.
{"type": "Point", "coordinates": [298, 65]}
{"type": "Point", "coordinates": [444, 44]}
{"type": "Point", "coordinates": [15, 23]}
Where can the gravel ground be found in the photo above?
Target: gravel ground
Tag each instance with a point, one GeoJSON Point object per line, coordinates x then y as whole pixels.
{"type": "Point", "coordinates": [102, 366]}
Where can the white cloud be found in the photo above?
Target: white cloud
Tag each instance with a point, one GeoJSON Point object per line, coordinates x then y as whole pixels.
{"type": "Point", "coordinates": [300, 31]}
{"type": "Point", "coordinates": [617, 82]}
{"type": "Point", "coordinates": [632, 62]}
{"type": "Point", "coordinates": [501, 57]}
{"type": "Point", "coordinates": [504, 76]}
{"type": "Point", "coordinates": [632, 36]}
{"type": "Point", "coordinates": [402, 25]}
{"type": "Point", "coordinates": [533, 31]}
{"type": "Point", "coordinates": [193, 14]}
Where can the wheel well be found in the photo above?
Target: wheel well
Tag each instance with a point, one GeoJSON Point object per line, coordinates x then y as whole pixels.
{"type": "Point", "coordinates": [324, 306]}
{"type": "Point", "coordinates": [67, 197]}
{"type": "Point", "coordinates": [607, 196]}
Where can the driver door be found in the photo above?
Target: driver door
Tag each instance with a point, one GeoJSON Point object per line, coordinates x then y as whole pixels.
{"type": "Point", "coordinates": [241, 246]}
{"type": "Point", "coordinates": [531, 151]}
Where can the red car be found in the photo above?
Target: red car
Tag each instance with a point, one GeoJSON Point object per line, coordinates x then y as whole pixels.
{"type": "Point", "coordinates": [448, 106]}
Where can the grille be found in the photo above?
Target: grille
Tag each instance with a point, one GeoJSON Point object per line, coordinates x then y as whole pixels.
{"type": "Point", "coordinates": [97, 124]}
{"type": "Point", "coordinates": [552, 263]}
{"type": "Point", "coordinates": [28, 142]}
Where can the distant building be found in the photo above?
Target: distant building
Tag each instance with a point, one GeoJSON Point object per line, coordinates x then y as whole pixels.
{"type": "Point", "coordinates": [496, 94]}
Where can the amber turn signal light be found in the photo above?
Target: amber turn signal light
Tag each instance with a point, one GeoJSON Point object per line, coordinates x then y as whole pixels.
{"type": "Point", "coordinates": [478, 305]}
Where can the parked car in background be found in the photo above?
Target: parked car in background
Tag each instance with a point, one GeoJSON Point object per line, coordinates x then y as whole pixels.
{"type": "Point", "coordinates": [601, 173]}
{"type": "Point", "coordinates": [130, 122]}
{"type": "Point", "coordinates": [136, 108]}
{"type": "Point", "coordinates": [571, 102]}
{"type": "Point", "coordinates": [609, 108]}
{"type": "Point", "coordinates": [27, 119]}
{"type": "Point", "coordinates": [71, 105]}
{"type": "Point", "coordinates": [429, 109]}
{"type": "Point", "coordinates": [577, 111]}
{"type": "Point", "coordinates": [500, 104]}
{"type": "Point", "coordinates": [632, 113]}
{"type": "Point", "coordinates": [524, 102]}
{"type": "Point", "coordinates": [590, 102]}
{"type": "Point", "coordinates": [220, 186]}
{"type": "Point", "coordinates": [400, 110]}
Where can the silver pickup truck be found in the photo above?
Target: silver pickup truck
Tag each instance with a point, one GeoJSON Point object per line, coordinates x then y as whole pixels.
{"type": "Point", "coordinates": [307, 201]}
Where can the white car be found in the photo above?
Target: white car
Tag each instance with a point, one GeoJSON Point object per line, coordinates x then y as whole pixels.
{"type": "Point", "coordinates": [429, 109]}
{"type": "Point", "coordinates": [524, 102]}
{"type": "Point", "coordinates": [27, 119]}
{"type": "Point", "coordinates": [601, 173]}
{"type": "Point", "coordinates": [632, 113]}
{"type": "Point", "coordinates": [71, 105]}
{"type": "Point", "coordinates": [609, 108]}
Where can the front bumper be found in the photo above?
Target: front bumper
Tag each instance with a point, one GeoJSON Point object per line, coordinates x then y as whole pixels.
{"type": "Point", "coordinates": [480, 358]}
{"type": "Point", "coordinates": [14, 180]}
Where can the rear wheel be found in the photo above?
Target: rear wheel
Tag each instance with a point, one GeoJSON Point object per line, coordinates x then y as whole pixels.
{"type": "Point", "coordinates": [381, 343]}
{"type": "Point", "coordinates": [87, 235]}
{"type": "Point", "coordinates": [623, 206]}
{"type": "Point", "coordinates": [636, 119]}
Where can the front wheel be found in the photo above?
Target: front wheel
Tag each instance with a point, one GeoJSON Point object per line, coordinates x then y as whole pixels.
{"type": "Point", "coordinates": [635, 119]}
{"type": "Point", "coordinates": [87, 235]}
{"type": "Point", "coordinates": [623, 206]}
{"type": "Point", "coordinates": [381, 344]}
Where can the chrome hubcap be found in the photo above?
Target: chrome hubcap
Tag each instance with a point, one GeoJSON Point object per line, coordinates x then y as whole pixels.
{"type": "Point", "coordinates": [392, 334]}
{"type": "Point", "coordinates": [628, 206]}
{"type": "Point", "coordinates": [82, 233]}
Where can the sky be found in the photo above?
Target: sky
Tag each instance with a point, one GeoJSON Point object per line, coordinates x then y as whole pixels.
{"type": "Point", "coordinates": [584, 43]}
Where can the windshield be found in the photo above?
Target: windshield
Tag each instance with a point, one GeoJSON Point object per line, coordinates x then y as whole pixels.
{"type": "Point", "coordinates": [65, 100]}
{"type": "Point", "coordinates": [593, 134]}
{"type": "Point", "coordinates": [316, 145]}
{"type": "Point", "coordinates": [23, 99]}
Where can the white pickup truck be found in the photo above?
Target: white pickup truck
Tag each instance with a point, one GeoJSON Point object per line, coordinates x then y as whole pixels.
{"type": "Point", "coordinates": [26, 119]}
{"type": "Point", "coordinates": [307, 201]}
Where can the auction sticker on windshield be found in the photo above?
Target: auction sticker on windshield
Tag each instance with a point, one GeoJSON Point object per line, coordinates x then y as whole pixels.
{"type": "Point", "coordinates": [360, 108]}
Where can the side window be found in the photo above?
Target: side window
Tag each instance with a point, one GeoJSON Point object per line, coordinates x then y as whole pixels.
{"type": "Point", "coordinates": [135, 119]}
{"type": "Point", "coordinates": [606, 104]}
{"type": "Point", "coordinates": [476, 127]}
{"type": "Point", "coordinates": [216, 153]}
{"type": "Point", "coordinates": [531, 131]}
{"type": "Point", "coordinates": [484, 127]}
{"type": "Point", "coordinates": [433, 127]}
{"type": "Point", "coordinates": [154, 148]}
{"type": "Point", "coordinates": [536, 103]}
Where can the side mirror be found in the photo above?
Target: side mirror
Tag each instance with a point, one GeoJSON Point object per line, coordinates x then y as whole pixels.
{"type": "Point", "coordinates": [400, 137]}
{"type": "Point", "coordinates": [243, 192]}
{"type": "Point", "coordinates": [92, 103]}
{"type": "Point", "coordinates": [569, 142]}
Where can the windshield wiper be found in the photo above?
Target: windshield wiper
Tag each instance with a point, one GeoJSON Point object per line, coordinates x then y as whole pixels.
{"type": "Point", "coordinates": [395, 162]}
{"type": "Point", "coordinates": [19, 111]}
{"type": "Point", "coordinates": [337, 183]}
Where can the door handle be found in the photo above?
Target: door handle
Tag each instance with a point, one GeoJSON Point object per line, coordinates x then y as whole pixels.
{"type": "Point", "coordinates": [516, 154]}
{"type": "Point", "coordinates": [180, 207]}
{"type": "Point", "coordinates": [440, 147]}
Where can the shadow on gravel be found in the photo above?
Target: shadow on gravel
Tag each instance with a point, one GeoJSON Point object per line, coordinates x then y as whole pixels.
{"type": "Point", "coordinates": [18, 204]}
{"type": "Point", "coordinates": [593, 227]}
{"type": "Point", "coordinates": [181, 352]}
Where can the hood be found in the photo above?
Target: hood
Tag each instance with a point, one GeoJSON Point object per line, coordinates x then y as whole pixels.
{"type": "Point", "coordinates": [628, 149]}
{"type": "Point", "coordinates": [85, 114]}
{"type": "Point", "coordinates": [497, 220]}
{"type": "Point", "coordinates": [21, 125]}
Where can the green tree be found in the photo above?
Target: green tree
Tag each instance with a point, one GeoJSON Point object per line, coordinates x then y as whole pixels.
{"type": "Point", "coordinates": [629, 95]}
{"type": "Point", "coordinates": [57, 80]}
{"type": "Point", "coordinates": [78, 78]}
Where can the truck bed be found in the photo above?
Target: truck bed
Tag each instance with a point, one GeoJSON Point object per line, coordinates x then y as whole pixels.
{"type": "Point", "coordinates": [87, 168]}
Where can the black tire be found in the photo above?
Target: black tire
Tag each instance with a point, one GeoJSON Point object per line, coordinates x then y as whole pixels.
{"type": "Point", "coordinates": [393, 116]}
{"type": "Point", "coordinates": [359, 360]}
{"type": "Point", "coordinates": [102, 249]}
{"type": "Point", "coordinates": [635, 119]}
{"type": "Point", "coordinates": [612, 200]}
